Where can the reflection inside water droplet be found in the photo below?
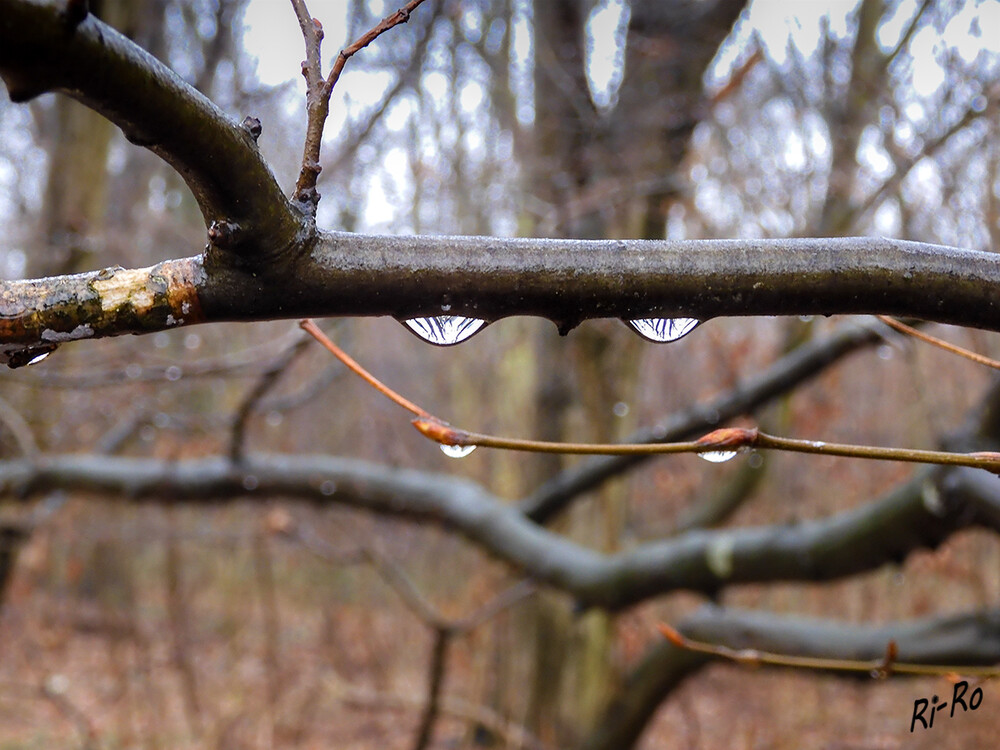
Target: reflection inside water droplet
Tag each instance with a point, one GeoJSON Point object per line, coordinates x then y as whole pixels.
{"type": "Point", "coordinates": [38, 358]}
{"type": "Point", "coordinates": [663, 330]}
{"type": "Point", "coordinates": [457, 451]}
{"type": "Point", "coordinates": [445, 330]}
{"type": "Point", "coordinates": [718, 457]}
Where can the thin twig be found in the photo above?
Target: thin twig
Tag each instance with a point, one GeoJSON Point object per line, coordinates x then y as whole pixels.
{"type": "Point", "coordinates": [940, 343]}
{"type": "Point", "coordinates": [513, 734]}
{"type": "Point", "coordinates": [400, 16]}
{"type": "Point", "coordinates": [318, 91]}
{"type": "Point", "coordinates": [726, 440]}
{"type": "Point", "coordinates": [404, 587]}
{"type": "Point", "coordinates": [436, 672]}
{"type": "Point", "coordinates": [876, 667]}
{"type": "Point", "coordinates": [313, 330]}
{"type": "Point", "coordinates": [19, 428]}
{"type": "Point", "coordinates": [267, 381]}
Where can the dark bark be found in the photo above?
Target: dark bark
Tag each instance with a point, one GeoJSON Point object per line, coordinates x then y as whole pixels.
{"type": "Point", "coordinates": [919, 514]}
{"type": "Point", "coordinates": [566, 281]}
{"type": "Point", "coordinates": [43, 49]}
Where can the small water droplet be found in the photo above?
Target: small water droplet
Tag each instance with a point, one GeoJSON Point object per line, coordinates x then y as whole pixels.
{"type": "Point", "coordinates": [620, 409]}
{"type": "Point", "coordinates": [133, 371]}
{"type": "Point", "coordinates": [457, 451]}
{"type": "Point", "coordinates": [663, 330]}
{"type": "Point", "coordinates": [173, 373]}
{"type": "Point", "coordinates": [445, 330]}
{"type": "Point", "coordinates": [250, 482]}
{"type": "Point", "coordinates": [718, 457]}
{"type": "Point", "coordinates": [15, 356]}
{"type": "Point", "coordinates": [328, 487]}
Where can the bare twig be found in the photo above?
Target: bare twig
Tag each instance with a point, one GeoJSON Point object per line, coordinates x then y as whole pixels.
{"type": "Point", "coordinates": [318, 91]}
{"type": "Point", "coordinates": [435, 682]}
{"type": "Point", "coordinates": [514, 735]}
{"type": "Point", "coordinates": [404, 587]}
{"type": "Point", "coordinates": [876, 667]}
{"type": "Point", "coordinates": [940, 343]}
{"type": "Point", "coordinates": [313, 330]}
{"type": "Point", "coordinates": [726, 440]}
{"type": "Point", "coordinates": [18, 427]}
{"type": "Point", "coordinates": [400, 16]}
{"type": "Point", "coordinates": [267, 381]}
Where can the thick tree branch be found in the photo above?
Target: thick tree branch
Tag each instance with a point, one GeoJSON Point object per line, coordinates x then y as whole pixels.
{"type": "Point", "coordinates": [45, 48]}
{"type": "Point", "coordinates": [967, 639]}
{"type": "Point", "coordinates": [566, 281]}
{"type": "Point", "coordinates": [921, 513]}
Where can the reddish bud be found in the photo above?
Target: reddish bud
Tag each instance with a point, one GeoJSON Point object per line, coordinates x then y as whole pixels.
{"type": "Point", "coordinates": [729, 437]}
{"type": "Point", "coordinates": [440, 432]}
{"type": "Point", "coordinates": [672, 635]}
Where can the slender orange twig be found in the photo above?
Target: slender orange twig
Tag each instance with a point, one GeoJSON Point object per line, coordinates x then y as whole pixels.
{"type": "Point", "coordinates": [725, 440]}
{"type": "Point", "coordinates": [876, 667]}
{"type": "Point", "coordinates": [939, 343]}
{"type": "Point", "coordinates": [313, 330]}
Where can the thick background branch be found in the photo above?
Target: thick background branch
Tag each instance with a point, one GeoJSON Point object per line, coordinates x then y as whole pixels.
{"type": "Point", "coordinates": [920, 513]}
{"type": "Point", "coordinates": [966, 639]}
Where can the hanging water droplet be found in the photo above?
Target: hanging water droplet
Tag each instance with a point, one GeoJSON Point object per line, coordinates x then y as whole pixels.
{"type": "Point", "coordinates": [718, 457]}
{"type": "Point", "coordinates": [16, 355]}
{"type": "Point", "coordinates": [457, 451]}
{"type": "Point", "coordinates": [663, 330]}
{"type": "Point", "coordinates": [445, 330]}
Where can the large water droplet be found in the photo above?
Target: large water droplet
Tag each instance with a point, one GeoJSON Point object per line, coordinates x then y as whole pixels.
{"type": "Point", "coordinates": [38, 358]}
{"type": "Point", "coordinates": [445, 330]}
{"type": "Point", "coordinates": [663, 330]}
{"type": "Point", "coordinates": [457, 451]}
{"type": "Point", "coordinates": [718, 457]}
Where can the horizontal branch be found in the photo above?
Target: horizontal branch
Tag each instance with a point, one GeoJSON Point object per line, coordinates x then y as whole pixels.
{"type": "Point", "coordinates": [566, 281]}
{"type": "Point", "coordinates": [921, 513]}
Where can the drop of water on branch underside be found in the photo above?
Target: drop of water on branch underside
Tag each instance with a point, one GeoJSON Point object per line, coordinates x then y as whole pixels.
{"type": "Point", "coordinates": [445, 330]}
{"type": "Point", "coordinates": [663, 330]}
{"type": "Point", "coordinates": [15, 356]}
{"type": "Point", "coordinates": [717, 457]}
{"type": "Point", "coordinates": [457, 451]}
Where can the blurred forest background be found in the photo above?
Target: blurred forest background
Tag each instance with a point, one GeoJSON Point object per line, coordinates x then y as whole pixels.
{"type": "Point", "coordinates": [263, 622]}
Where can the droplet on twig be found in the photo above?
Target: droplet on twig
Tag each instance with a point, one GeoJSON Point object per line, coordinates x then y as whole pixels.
{"type": "Point", "coordinates": [457, 451]}
{"type": "Point", "coordinates": [718, 457]}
